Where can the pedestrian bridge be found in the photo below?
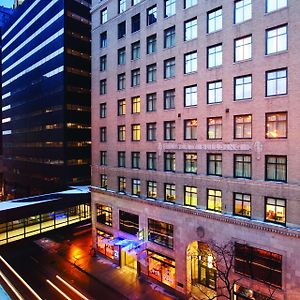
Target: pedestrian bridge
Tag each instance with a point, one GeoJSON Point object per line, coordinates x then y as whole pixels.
{"type": "Point", "coordinates": [25, 217]}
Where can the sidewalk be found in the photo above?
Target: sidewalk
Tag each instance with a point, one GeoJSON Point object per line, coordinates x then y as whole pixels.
{"type": "Point", "coordinates": [123, 280]}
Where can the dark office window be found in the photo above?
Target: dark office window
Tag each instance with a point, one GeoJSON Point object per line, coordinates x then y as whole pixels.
{"type": "Point", "coordinates": [129, 222]}
{"type": "Point", "coordinates": [169, 68]}
{"type": "Point", "coordinates": [170, 8]}
{"type": "Point", "coordinates": [135, 23]}
{"type": "Point", "coordinates": [214, 164]}
{"type": "Point", "coordinates": [169, 99]}
{"type": "Point", "coordinates": [242, 166]}
{"type": "Point", "coordinates": [135, 77]}
{"type": "Point", "coordinates": [151, 73]}
{"type": "Point", "coordinates": [135, 50]}
{"type": "Point", "coordinates": [103, 181]}
{"type": "Point", "coordinates": [102, 134]}
{"type": "Point", "coordinates": [121, 159]}
{"type": "Point", "coordinates": [151, 161]}
{"type": "Point", "coordinates": [103, 158]}
{"type": "Point", "coordinates": [121, 81]}
{"type": "Point", "coordinates": [103, 63]}
{"type": "Point", "coordinates": [276, 168]}
{"type": "Point", "coordinates": [151, 44]}
{"type": "Point", "coordinates": [121, 29]}
{"type": "Point", "coordinates": [169, 37]}
{"type": "Point", "coordinates": [151, 15]}
{"type": "Point", "coordinates": [122, 56]}
{"type": "Point", "coordinates": [151, 131]}
{"type": "Point", "coordinates": [151, 102]}
{"type": "Point", "coordinates": [169, 131]}
{"type": "Point", "coordinates": [190, 163]}
{"type": "Point", "coordinates": [102, 110]}
{"type": "Point", "coordinates": [135, 160]}
{"type": "Point", "coordinates": [169, 158]}
{"type": "Point", "coordinates": [103, 39]}
{"type": "Point", "coordinates": [160, 233]}
{"type": "Point", "coordinates": [103, 87]}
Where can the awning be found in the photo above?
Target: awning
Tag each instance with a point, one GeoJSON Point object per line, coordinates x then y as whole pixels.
{"type": "Point", "coordinates": [114, 241]}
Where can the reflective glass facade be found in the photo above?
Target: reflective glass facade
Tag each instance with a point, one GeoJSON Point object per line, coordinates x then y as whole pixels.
{"type": "Point", "coordinates": [46, 97]}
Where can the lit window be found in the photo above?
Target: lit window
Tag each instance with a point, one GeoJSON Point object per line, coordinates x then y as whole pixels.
{"type": "Point", "coordinates": [242, 11]}
{"type": "Point", "coordinates": [162, 234]}
{"type": "Point", "coordinates": [121, 107]}
{"type": "Point", "coordinates": [170, 192]}
{"type": "Point", "coordinates": [152, 189]}
{"type": "Point", "coordinates": [243, 48]}
{"type": "Point", "coordinates": [243, 127]}
{"type": "Point", "coordinates": [103, 181]}
{"type": "Point", "coordinates": [214, 200]}
{"type": "Point", "coordinates": [136, 187]}
{"type": "Point", "coordinates": [214, 128]}
{"type": "Point", "coordinates": [276, 82]}
{"type": "Point", "coordinates": [135, 105]}
{"type": "Point", "coordinates": [136, 132]}
{"type": "Point", "coordinates": [190, 129]}
{"type": "Point", "coordinates": [276, 39]}
{"type": "Point", "coordinates": [214, 92]}
{"type": "Point", "coordinates": [242, 204]}
{"type": "Point", "coordinates": [242, 166]}
{"type": "Point", "coordinates": [275, 210]}
{"type": "Point", "coordinates": [190, 29]}
{"type": "Point", "coordinates": [272, 5]}
{"type": "Point", "coordinates": [214, 164]}
{"type": "Point", "coordinates": [243, 87]}
{"type": "Point", "coordinates": [190, 62]}
{"type": "Point", "coordinates": [214, 20]}
{"type": "Point", "coordinates": [190, 195]}
{"type": "Point", "coordinates": [121, 133]}
{"type": "Point", "coordinates": [190, 95]}
{"type": "Point", "coordinates": [214, 56]}
{"type": "Point", "coordinates": [276, 168]}
{"type": "Point", "coordinates": [122, 184]}
{"type": "Point", "coordinates": [104, 214]}
{"type": "Point", "coordinates": [276, 125]}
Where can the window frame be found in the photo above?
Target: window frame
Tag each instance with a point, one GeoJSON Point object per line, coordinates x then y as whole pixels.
{"type": "Point", "coordinates": [276, 205]}
{"type": "Point", "coordinates": [276, 78]}
{"type": "Point", "coordinates": [267, 177]}
{"type": "Point", "coordinates": [276, 124]}
{"type": "Point", "coordinates": [246, 166]}
{"type": "Point", "coordinates": [215, 200]}
{"type": "Point", "coordinates": [217, 164]}
{"type": "Point", "coordinates": [243, 124]}
{"type": "Point", "coordinates": [214, 11]}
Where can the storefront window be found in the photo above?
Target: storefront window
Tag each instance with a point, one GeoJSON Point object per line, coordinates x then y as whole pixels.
{"type": "Point", "coordinates": [161, 268]}
{"type": "Point", "coordinates": [242, 293]}
{"type": "Point", "coordinates": [160, 233]}
{"type": "Point", "coordinates": [129, 222]}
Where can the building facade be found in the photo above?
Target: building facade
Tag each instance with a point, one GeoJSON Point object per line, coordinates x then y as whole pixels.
{"type": "Point", "coordinates": [195, 111]}
{"type": "Point", "coordinates": [46, 97]}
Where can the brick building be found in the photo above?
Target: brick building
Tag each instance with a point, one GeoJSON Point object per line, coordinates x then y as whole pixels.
{"type": "Point", "coordinates": [195, 117]}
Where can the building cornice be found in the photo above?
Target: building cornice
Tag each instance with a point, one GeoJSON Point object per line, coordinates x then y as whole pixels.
{"type": "Point", "coordinates": [252, 224]}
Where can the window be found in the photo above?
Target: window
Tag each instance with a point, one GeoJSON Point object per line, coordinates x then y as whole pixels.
{"type": "Point", "coordinates": [121, 133]}
{"type": "Point", "coordinates": [151, 44]}
{"type": "Point", "coordinates": [214, 200]}
{"type": "Point", "coordinates": [190, 163]}
{"type": "Point", "coordinates": [170, 8]}
{"type": "Point", "coordinates": [136, 187]}
{"type": "Point", "coordinates": [135, 105]}
{"type": "Point", "coordinates": [275, 210]}
{"type": "Point", "coordinates": [169, 99]}
{"type": "Point", "coordinates": [243, 48]}
{"type": "Point", "coordinates": [122, 56]}
{"type": "Point", "coordinates": [214, 128]}
{"type": "Point", "coordinates": [160, 233]}
{"type": "Point", "coordinates": [214, 20]}
{"type": "Point", "coordinates": [242, 11]}
{"type": "Point", "coordinates": [190, 62]}
{"type": "Point", "coordinates": [170, 192]}
{"type": "Point", "coordinates": [135, 23]}
{"type": "Point", "coordinates": [135, 50]}
{"type": "Point", "coordinates": [190, 95]}
{"type": "Point", "coordinates": [121, 81]}
{"type": "Point", "coordinates": [103, 158]}
{"type": "Point", "coordinates": [121, 107]}
{"type": "Point", "coordinates": [243, 127]}
{"type": "Point", "coordinates": [151, 189]}
{"type": "Point", "coordinates": [169, 37]}
{"type": "Point", "coordinates": [272, 5]}
{"type": "Point", "coordinates": [122, 6]}
{"type": "Point", "coordinates": [214, 56]}
{"type": "Point", "coordinates": [104, 214]}
{"type": "Point", "coordinates": [103, 87]}
{"type": "Point", "coordinates": [151, 15]}
{"type": "Point", "coordinates": [242, 204]}
{"type": "Point", "coordinates": [169, 161]}
{"type": "Point", "coordinates": [151, 102]}
{"type": "Point", "coordinates": [103, 39]}
{"type": "Point", "coordinates": [103, 63]}
{"type": "Point", "coordinates": [135, 77]}
{"type": "Point", "coordinates": [169, 131]}
{"type": "Point", "coordinates": [242, 166]}
{"type": "Point", "coordinates": [134, 2]}
{"type": "Point", "coordinates": [121, 159]}
{"type": "Point", "coordinates": [259, 264]}
{"type": "Point", "coordinates": [151, 131]}
{"type": "Point", "coordinates": [102, 110]}
{"type": "Point", "coordinates": [102, 134]}
{"type": "Point", "coordinates": [151, 73]}
{"type": "Point", "coordinates": [243, 87]}
{"type": "Point", "coordinates": [190, 129]}
{"type": "Point", "coordinates": [276, 82]}
{"type": "Point", "coordinates": [214, 92]}
{"type": "Point", "coordinates": [190, 29]}
{"type": "Point", "coordinates": [190, 195]}
{"type": "Point", "coordinates": [135, 160]}
{"type": "Point", "coordinates": [103, 16]}
{"type": "Point", "coordinates": [190, 3]}
{"type": "Point", "coordinates": [121, 29]}
{"type": "Point", "coordinates": [214, 164]}
{"type": "Point", "coordinates": [276, 168]}
{"type": "Point", "coordinates": [151, 161]}
{"type": "Point", "coordinates": [136, 132]}
{"type": "Point", "coordinates": [103, 181]}
{"type": "Point", "coordinates": [169, 68]}
{"type": "Point", "coordinates": [276, 125]}
{"type": "Point", "coordinates": [122, 184]}
{"type": "Point", "coordinates": [276, 39]}
{"type": "Point", "coordinates": [128, 222]}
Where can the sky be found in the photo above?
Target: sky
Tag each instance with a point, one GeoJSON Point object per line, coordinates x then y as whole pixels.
{"type": "Point", "coordinates": [7, 3]}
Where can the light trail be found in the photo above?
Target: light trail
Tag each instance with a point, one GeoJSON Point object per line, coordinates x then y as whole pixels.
{"type": "Point", "coordinates": [58, 290]}
{"type": "Point", "coordinates": [14, 290]}
{"type": "Point", "coordinates": [72, 288]}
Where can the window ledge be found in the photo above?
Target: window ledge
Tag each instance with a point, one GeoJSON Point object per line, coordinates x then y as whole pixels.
{"type": "Point", "coordinates": [277, 53]}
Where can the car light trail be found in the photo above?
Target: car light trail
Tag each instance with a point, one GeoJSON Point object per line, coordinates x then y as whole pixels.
{"type": "Point", "coordinates": [58, 290]}
{"type": "Point", "coordinates": [20, 278]}
{"type": "Point", "coordinates": [72, 288]}
{"type": "Point", "coordinates": [11, 286]}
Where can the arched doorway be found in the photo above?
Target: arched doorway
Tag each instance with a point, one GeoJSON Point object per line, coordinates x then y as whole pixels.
{"type": "Point", "coordinates": [201, 271]}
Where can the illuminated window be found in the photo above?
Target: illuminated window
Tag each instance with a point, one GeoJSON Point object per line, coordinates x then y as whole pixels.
{"type": "Point", "coordinates": [276, 125]}
{"type": "Point", "coordinates": [103, 181]}
{"type": "Point", "coordinates": [152, 189]}
{"type": "Point", "coordinates": [242, 204]}
{"type": "Point", "coordinates": [122, 184]}
{"type": "Point", "coordinates": [190, 195]}
{"type": "Point", "coordinates": [214, 200]}
{"type": "Point", "coordinates": [190, 129]}
{"type": "Point", "coordinates": [136, 187]}
{"type": "Point", "coordinates": [136, 132]}
{"type": "Point", "coordinates": [121, 133]}
{"type": "Point", "coordinates": [121, 107]}
{"type": "Point", "coordinates": [170, 192]}
{"type": "Point", "coordinates": [243, 127]}
{"type": "Point", "coordinates": [104, 214]}
{"type": "Point", "coordinates": [214, 128]}
{"type": "Point", "coordinates": [135, 105]}
{"type": "Point", "coordinates": [160, 233]}
{"type": "Point", "coordinates": [275, 210]}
